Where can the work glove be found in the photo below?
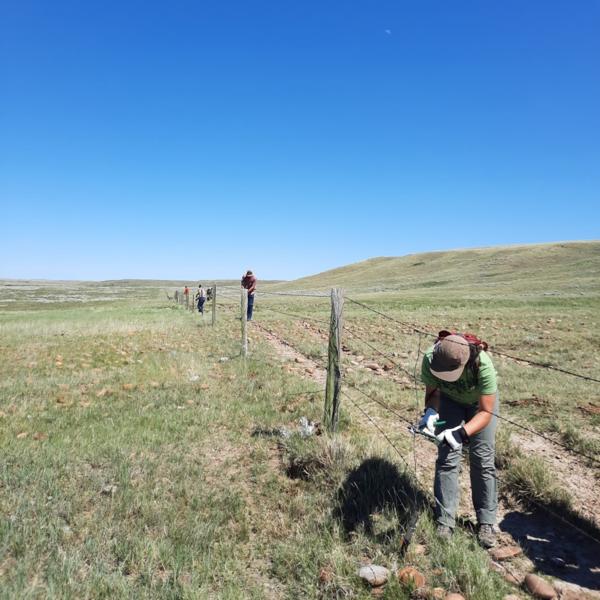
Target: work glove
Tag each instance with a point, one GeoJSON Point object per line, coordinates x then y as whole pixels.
{"type": "Point", "coordinates": [428, 421]}
{"type": "Point", "coordinates": [455, 437]}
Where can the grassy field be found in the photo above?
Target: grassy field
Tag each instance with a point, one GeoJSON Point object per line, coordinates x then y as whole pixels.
{"type": "Point", "coordinates": [552, 270]}
{"type": "Point", "coordinates": [130, 470]}
{"type": "Point", "coordinates": [138, 460]}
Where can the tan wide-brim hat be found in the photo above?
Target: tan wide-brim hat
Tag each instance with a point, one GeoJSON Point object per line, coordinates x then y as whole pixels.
{"type": "Point", "coordinates": [450, 355]}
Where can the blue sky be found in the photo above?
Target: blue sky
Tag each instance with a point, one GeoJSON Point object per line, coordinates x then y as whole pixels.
{"type": "Point", "coordinates": [198, 139]}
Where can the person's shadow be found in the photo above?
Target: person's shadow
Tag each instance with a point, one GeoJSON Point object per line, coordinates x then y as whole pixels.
{"type": "Point", "coordinates": [556, 548]}
{"type": "Point", "coordinates": [376, 486]}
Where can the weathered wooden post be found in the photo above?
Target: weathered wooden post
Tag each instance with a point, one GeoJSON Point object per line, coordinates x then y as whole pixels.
{"type": "Point", "coordinates": [176, 296]}
{"type": "Point", "coordinates": [214, 304]}
{"type": "Point", "coordinates": [244, 317]}
{"type": "Point", "coordinates": [334, 359]}
{"type": "Point", "coordinates": [187, 301]}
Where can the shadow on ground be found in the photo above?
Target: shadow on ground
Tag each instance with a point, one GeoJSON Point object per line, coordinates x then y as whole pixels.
{"type": "Point", "coordinates": [373, 488]}
{"type": "Point", "coordinates": [555, 548]}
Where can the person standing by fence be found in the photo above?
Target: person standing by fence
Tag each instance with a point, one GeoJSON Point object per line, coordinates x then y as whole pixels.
{"type": "Point", "coordinates": [249, 282]}
{"type": "Point", "coordinates": [461, 396]}
{"type": "Point", "coordinates": [200, 298]}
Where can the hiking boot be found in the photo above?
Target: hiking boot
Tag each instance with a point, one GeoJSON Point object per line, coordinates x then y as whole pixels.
{"type": "Point", "coordinates": [443, 531]}
{"type": "Point", "coordinates": [486, 536]}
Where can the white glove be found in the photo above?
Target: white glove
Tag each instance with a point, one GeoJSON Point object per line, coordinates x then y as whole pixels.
{"type": "Point", "coordinates": [455, 437]}
{"type": "Point", "coordinates": [427, 422]}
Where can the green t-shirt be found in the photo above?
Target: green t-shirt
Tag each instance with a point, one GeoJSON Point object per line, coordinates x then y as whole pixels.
{"type": "Point", "coordinates": [466, 390]}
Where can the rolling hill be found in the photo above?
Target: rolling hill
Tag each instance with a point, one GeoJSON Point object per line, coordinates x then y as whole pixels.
{"type": "Point", "coordinates": [564, 269]}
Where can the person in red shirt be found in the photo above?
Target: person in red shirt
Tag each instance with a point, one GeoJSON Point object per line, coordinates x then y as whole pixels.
{"type": "Point", "coordinates": [249, 282]}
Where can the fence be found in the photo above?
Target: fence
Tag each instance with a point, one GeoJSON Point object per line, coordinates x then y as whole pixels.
{"type": "Point", "coordinates": [189, 303]}
{"type": "Point", "coordinates": [335, 380]}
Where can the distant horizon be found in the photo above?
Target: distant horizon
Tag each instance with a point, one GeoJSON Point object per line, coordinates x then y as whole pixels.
{"type": "Point", "coordinates": [286, 280]}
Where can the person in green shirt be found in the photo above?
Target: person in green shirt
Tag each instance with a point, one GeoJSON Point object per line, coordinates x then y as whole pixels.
{"type": "Point", "coordinates": [461, 397]}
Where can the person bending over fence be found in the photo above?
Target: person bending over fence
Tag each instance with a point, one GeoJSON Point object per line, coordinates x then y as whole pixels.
{"type": "Point", "coordinates": [460, 396]}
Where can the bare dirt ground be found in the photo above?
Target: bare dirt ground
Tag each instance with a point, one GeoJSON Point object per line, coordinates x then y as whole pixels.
{"type": "Point", "coordinates": [548, 545]}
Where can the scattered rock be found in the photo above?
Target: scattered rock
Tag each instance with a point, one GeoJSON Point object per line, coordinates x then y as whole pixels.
{"type": "Point", "coordinates": [39, 436]}
{"type": "Point", "coordinates": [154, 384]}
{"type": "Point", "coordinates": [224, 359]}
{"type": "Point", "coordinates": [438, 593]}
{"type": "Point", "coordinates": [378, 592]}
{"type": "Point", "coordinates": [571, 591]}
{"type": "Point", "coordinates": [511, 597]}
{"type": "Point", "coordinates": [512, 579]}
{"type": "Point", "coordinates": [410, 576]}
{"type": "Point", "coordinates": [454, 596]}
{"type": "Point", "coordinates": [373, 366]}
{"type": "Point", "coordinates": [325, 575]}
{"type": "Point", "coordinates": [538, 587]}
{"type": "Point", "coordinates": [22, 435]}
{"type": "Point", "coordinates": [129, 386]}
{"type": "Point", "coordinates": [374, 575]}
{"type": "Point", "coordinates": [505, 552]}
{"type": "Point", "coordinates": [109, 490]}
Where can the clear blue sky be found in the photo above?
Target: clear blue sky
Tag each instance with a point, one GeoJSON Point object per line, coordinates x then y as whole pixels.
{"type": "Point", "coordinates": [200, 138]}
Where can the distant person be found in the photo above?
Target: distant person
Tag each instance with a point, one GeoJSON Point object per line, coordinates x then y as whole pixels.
{"type": "Point", "coordinates": [200, 299]}
{"type": "Point", "coordinates": [461, 393]}
{"type": "Point", "coordinates": [249, 282]}
{"type": "Point", "coordinates": [186, 291]}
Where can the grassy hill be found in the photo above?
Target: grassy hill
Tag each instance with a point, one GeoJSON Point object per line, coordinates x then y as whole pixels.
{"type": "Point", "coordinates": [565, 269]}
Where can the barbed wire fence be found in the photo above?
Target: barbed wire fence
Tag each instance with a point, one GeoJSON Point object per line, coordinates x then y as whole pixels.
{"type": "Point", "coordinates": [334, 373]}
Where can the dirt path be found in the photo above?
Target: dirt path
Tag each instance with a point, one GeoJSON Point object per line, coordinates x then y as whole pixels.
{"type": "Point", "coordinates": [548, 545]}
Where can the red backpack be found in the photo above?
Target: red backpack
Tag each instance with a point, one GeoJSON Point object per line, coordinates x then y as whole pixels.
{"type": "Point", "coordinates": [470, 337]}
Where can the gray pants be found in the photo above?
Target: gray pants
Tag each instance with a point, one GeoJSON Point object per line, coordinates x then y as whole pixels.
{"type": "Point", "coordinates": [482, 450]}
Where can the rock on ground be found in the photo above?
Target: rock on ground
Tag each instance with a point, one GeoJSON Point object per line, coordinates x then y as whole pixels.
{"type": "Point", "coordinates": [539, 587]}
{"type": "Point", "coordinates": [374, 575]}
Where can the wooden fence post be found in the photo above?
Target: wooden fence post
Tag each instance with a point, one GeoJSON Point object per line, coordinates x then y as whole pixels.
{"type": "Point", "coordinates": [176, 296]}
{"type": "Point", "coordinates": [244, 317]}
{"type": "Point", "coordinates": [334, 359]}
{"type": "Point", "coordinates": [214, 304]}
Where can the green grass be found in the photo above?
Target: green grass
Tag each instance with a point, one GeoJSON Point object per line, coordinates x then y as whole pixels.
{"type": "Point", "coordinates": [130, 470]}
{"type": "Point", "coordinates": [562, 270]}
